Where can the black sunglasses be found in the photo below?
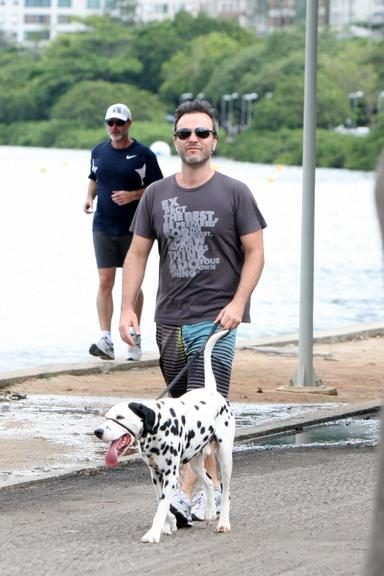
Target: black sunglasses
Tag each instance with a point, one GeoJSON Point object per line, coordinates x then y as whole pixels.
{"type": "Point", "coordinates": [116, 121]}
{"type": "Point", "coordinates": [185, 133]}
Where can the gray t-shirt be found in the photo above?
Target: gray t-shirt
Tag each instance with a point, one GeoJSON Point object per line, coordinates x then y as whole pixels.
{"type": "Point", "coordinates": [198, 232]}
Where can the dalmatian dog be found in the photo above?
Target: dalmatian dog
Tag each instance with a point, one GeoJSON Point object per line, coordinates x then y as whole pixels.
{"type": "Point", "coordinates": [171, 432]}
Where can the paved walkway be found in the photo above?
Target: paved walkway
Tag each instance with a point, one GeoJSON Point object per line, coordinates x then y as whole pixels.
{"type": "Point", "coordinates": [302, 512]}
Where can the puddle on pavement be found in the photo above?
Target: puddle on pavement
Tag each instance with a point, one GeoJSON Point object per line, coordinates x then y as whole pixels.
{"type": "Point", "coordinates": [359, 431]}
{"type": "Point", "coordinates": [69, 421]}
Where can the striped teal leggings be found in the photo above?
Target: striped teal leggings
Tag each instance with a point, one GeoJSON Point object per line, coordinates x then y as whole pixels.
{"type": "Point", "coordinates": [177, 344]}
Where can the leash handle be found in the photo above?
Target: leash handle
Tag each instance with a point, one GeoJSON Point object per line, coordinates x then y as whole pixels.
{"type": "Point", "coordinates": [192, 359]}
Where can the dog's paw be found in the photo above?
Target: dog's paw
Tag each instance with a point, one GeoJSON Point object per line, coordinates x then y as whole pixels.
{"type": "Point", "coordinates": [223, 528]}
{"type": "Point", "coordinates": [150, 538]}
{"type": "Point", "coordinates": [210, 517]}
{"type": "Point", "coordinates": [169, 527]}
{"type": "Point", "coordinates": [172, 522]}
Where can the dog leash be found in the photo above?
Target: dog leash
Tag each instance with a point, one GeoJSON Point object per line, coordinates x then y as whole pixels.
{"type": "Point", "coordinates": [192, 359]}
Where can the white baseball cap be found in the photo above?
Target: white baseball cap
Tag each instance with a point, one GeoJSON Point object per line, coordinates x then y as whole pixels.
{"type": "Point", "coordinates": [120, 111]}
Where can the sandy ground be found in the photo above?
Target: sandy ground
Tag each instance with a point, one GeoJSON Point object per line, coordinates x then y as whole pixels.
{"type": "Point", "coordinates": [354, 369]}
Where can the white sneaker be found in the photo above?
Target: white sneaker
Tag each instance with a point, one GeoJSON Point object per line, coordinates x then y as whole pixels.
{"type": "Point", "coordinates": [181, 508]}
{"type": "Point", "coordinates": [134, 352]}
{"type": "Point", "coordinates": [199, 504]}
{"type": "Point", "coordinates": [103, 349]}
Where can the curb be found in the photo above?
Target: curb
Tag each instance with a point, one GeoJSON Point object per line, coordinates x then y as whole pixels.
{"type": "Point", "coordinates": [355, 332]}
{"type": "Point", "coordinates": [286, 427]}
{"type": "Point", "coordinates": [297, 424]}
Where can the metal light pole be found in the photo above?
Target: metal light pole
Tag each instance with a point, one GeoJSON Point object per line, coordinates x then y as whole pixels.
{"type": "Point", "coordinates": [224, 110]}
{"type": "Point", "coordinates": [305, 376]}
{"type": "Point", "coordinates": [246, 110]}
{"type": "Point", "coordinates": [185, 96]}
{"type": "Point", "coordinates": [231, 128]}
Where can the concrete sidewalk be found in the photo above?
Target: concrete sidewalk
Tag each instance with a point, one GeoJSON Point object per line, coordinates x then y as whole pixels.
{"type": "Point", "coordinates": [95, 366]}
{"type": "Point", "coordinates": [302, 512]}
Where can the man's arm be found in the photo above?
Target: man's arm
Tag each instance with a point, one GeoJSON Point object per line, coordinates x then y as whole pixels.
{"type": "Point", "coordinates": [232, 314]}
{"type": "Point", "coordinates": [133, 274]}
{"type": "Point", "coordinates": [122, 197]}
{"type": "Point", "coordinates": [91, 195]}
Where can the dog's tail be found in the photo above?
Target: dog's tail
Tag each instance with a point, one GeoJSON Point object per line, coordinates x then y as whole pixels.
{"type": "Point", "coordinates": [210, 381]}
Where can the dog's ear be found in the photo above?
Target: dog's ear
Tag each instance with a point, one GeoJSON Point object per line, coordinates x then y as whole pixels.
{"type": "Point", "coordinates": [146, 414]}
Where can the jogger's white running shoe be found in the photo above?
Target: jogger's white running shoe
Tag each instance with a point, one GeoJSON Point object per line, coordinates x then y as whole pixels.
{"type": "Point", "coordinates": [103, 349]}
{"type": "Point", "coordinates": [134, 352]}
{"type": "Point", "coordinates": [181, 508]}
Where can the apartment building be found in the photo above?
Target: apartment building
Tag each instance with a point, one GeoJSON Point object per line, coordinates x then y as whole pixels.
{"type": "Point", "coordinates": [42, 20]}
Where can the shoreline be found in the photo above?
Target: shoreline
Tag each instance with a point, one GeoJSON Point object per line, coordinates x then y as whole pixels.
{"type": "Point", "coordinates": [95, 366]}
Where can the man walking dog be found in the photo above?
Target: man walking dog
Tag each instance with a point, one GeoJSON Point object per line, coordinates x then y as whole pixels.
{"type": "Point", "coordinates": [210, 237]}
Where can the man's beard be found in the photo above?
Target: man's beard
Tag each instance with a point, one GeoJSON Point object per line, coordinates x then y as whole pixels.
{"type": "Point", "coordinates": [193, 158]}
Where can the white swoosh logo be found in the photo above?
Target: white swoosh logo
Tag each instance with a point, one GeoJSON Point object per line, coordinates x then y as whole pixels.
{"type": "Point", "coordinates": [128, 157]}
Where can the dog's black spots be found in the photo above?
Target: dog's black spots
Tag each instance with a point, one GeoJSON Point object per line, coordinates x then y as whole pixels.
{"type": "Point", "coordinates": [203, 402]}
{"type": "Point", "coordinates": [197, 407]}
{"type": "Point", "coordinates": [202, 429]}
{"type": "Point", "coordinates": [168, 472]}
{"type": "Point", "coordinates": [169, 461]}
{"type": "Point", "coordinates": [155, 450]}
{"type": "Point", "coordinates": [206, 438]}
{"type": "Point", "coordinates": [198, 424]}
{"type": "Point", "coordinates": [165, 450]}
{"type": "Point", "coordinates": [173, 413]}
{"type": "Point", "coordinates": [162, 497]}
{"type": "Point", "coordinates": [226, 423]}
{"type": "Point", "coordinates": [159, 405]}
{"type": "Point", "coordinates": [185, 461]}
{"type": "Point", "coordinates": [183, 420]}
{"type": "Point", "coordinates": [211, 429]}
{"type": "Point", "coordinates": [166, 433]}
{"type": "Point", "coordinates": [208, 475]}
{"type": "Point", "coordinates": [119, 417]}
{"type": "Point", "coordinates": [175, 427]}
{"type": "Point", "coordinates": [219, 440]}
{"type": "Point", "coordinates": [191, 434]}
{"type": "Point", "coordinates": [166, 424]}
{"type": "Point", "coordinates": [175, 469]}
{"type": "Point", "coordinates": [166, 483]}
{"type": "Point", "coordinates": [154, 480]}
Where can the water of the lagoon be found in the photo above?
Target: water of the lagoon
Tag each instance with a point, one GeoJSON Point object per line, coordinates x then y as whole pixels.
{"type": "Point", "coordinates": [49, 278]}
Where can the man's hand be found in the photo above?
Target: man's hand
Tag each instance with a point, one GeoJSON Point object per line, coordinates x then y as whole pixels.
{"type": "Point", "coordinates": [230, 316]}
{"type": "Point", "coordinates": [128, 322]}
{"type": "Point", "coordinates": [88, 205]}
{"type": "Point", "coordinates": [122, 197]}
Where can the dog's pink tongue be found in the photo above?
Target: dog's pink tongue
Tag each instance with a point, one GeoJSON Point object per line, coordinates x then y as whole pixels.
{"type": "Point", "coordinates": [112, 456]}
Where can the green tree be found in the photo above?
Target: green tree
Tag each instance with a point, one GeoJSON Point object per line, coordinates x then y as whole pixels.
{"type": "Point", "coordinates": [88, 100]}
{"type": "Point", "coordinates": [102, 51]}
{"type": "Point", "coordinates": [190, 69]}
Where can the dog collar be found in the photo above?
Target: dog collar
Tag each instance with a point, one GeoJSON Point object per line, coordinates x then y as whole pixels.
{"type": "Point", "coordinates": [126, 428]}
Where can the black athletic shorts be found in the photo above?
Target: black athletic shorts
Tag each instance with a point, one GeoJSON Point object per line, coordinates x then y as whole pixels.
{"type": "Point", "coordinates": [110, 251]}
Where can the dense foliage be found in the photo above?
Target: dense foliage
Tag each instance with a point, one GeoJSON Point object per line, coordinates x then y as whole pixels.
{"type": "Point", "coordinates": [56, 95]}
